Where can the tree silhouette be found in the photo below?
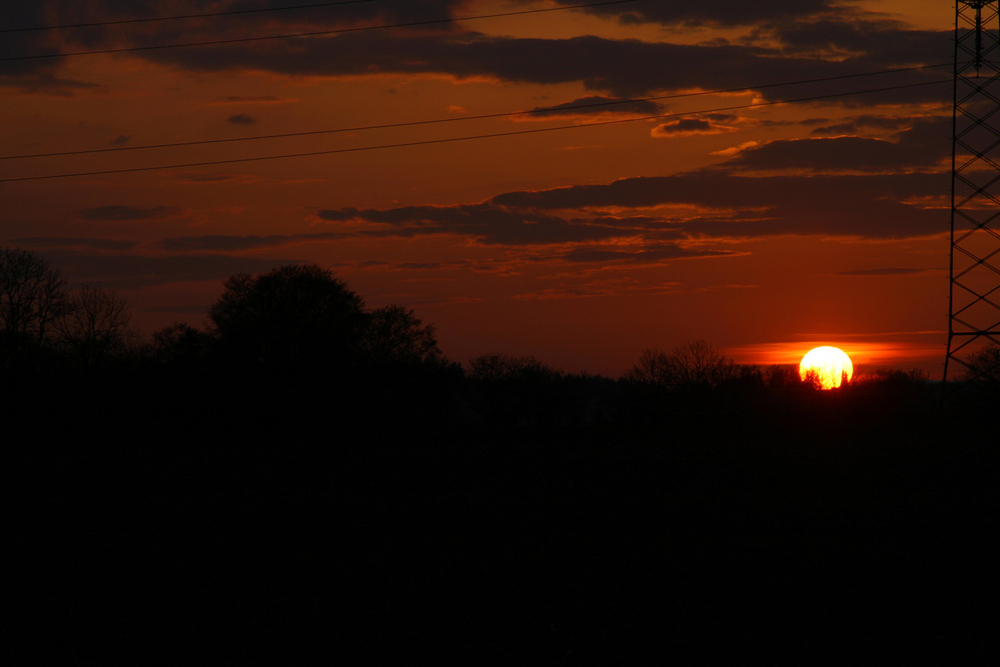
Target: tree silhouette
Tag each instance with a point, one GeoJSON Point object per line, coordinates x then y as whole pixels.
{"type": "Point", "coordinates": [699, 363]}
{"type": "Point", "coordinates": [180, 343]}
{"type": "Point", "coordinates": [694, 364]}
{"type": "Point", "coordinates": [291, 316]}
{"type": "Point", "coordinates": [653, 369]}
{"type": "Point", "coordinates": [516, 391]}
{"type": "Point", "coordinates": [393, 335]}
{"type": "Point", "coordinates": [32, 296]}
{"type": "Point", "coordinates": [984, 364]}
{"type": "Point", "coordinates": [504, 367]}
{"type": "Point", "coordinates": [97, 325]}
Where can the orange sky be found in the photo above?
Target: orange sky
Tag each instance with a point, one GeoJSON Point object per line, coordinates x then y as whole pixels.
{"type": "Point", "coordinates": [764, 231]}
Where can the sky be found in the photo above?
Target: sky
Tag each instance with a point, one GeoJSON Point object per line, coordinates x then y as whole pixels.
{"type": "Point", "coordinates": [765, 230]}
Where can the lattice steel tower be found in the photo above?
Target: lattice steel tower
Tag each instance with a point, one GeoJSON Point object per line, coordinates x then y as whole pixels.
{"type": "Point", "coordinates": [974, 299]}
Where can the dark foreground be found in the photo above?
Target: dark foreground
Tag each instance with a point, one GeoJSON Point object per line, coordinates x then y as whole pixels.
{"type": "Point", "coordinates": [231, 523]}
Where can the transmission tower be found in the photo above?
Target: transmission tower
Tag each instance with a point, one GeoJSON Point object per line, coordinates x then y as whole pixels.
{"type": "Point", "coordinates": [974, 298]}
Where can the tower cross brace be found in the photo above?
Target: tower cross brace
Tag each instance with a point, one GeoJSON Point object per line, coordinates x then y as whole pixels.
{"type": "Point", "coordinates": [974, 267]}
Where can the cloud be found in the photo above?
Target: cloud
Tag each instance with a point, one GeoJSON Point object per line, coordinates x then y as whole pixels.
{"type": "Point", "coordinates": [686, 127]}
{"type": "Point", "coordinates": [867, 273]}
{"type": "Point", "coordinates": [33, 76]}
{"type": "Point", "coordinates": [726, 12]}
{"type": "Point", "coordinates": [600, 64]}
{"type": "Point", "coordinates": [656, 218]}
{"type": "Point", "coordinates": [617, 287]}
{"type": "Point", "coordinates": [261, 99]}
{"type": "Point", "coordinates": [488, 224]}
{"type": "Point", "coordinates": [54, 242]}
{"type": "Point", "coordinates": [222, 243]}
{"type": "Point", "coordinates": [203, 177]}
{"type": "Point", "coordinates": [128, 213]}
{"type": "Point", "coordinates": [199, 309]}
{"type": "Point", "coordinates": [596, 288]}
{"type": "Point", "coordinates": [242, 119]}
{"type": "Point", "coordinates": [136, 271]}
{"type": "Point", "coordinates": [655, 253]}
{"type": "Point", "coordinates": [365, 13]}
{"type": "Point", "coordinates": [858, 36]}
{"type": "Point", "coordinates": [792, 41]}
{"type": "Point", "coordinates": [339, 215]}
{"type": "Point", "coordinates": [855, 124]}
{"type": "Point", "coordinates": [421, 266]}
{"type": "Point", "coordinates": [924, 145]}
{"type": "Point", "coordinates": [735, 150]}
{"type": "Point", "coordinates": [45, 83]}
{"type": "Point", "coordinates": [594, 105]}
{"type": "Point", "coordinates": [752, 207]}
{"type": "Point", "coordinates": [120, 140]}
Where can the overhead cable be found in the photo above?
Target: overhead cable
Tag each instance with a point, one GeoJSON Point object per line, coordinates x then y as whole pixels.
{"type": "Point", "coordinates": [492, 135]}
{"type": "Point", "coordinates": [537, 112]}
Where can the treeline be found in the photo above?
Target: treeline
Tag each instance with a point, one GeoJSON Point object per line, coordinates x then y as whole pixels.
{"type": "Point", "coordinates": [293, 317]}
{"type": "Point", "coordinates": [303, 474]}
{"type": "Point", "coordinates": [298, 337]}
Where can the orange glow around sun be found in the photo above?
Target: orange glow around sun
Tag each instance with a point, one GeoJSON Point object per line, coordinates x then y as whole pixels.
{"type": "Point", "coordinates": [830, 365]}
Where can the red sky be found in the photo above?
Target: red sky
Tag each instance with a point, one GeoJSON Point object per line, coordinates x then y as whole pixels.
{"type": "Point", "coordinates": [765, 231]}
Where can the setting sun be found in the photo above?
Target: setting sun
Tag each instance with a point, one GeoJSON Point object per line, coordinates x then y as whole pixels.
{"type": "Point", "coordinates": [831, 366]}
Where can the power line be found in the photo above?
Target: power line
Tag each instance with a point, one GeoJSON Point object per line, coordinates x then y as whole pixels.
{"type": "Point", "coordinates": [187, 16]}
{"type": "Point", "coordinates": [467, 138]}
{"type": "Point", "coordinates": [318, 33]}
{"type": "Point", "coordinates": [553, 111]}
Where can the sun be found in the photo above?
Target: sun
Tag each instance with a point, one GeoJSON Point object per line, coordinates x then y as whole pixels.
{"type": "Point", "coordinates": [831, 366]}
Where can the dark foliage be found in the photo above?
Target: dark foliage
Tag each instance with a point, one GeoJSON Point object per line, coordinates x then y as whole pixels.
{"type": "Point", "coordinates": [984, 365]}
{"type": "Point", "coordinates": [32, 296]}
{"type": "Point", "coordinates": [394, 335]}
{"type": "Point", "coordinates": [292, 317]}
{"type": "Point", "coordinates": [181, 344]}
{"type": "Point", "coordinates": [408, 510]}
{"type": "Point", "coordinates": [96, 326]}
{"type": "Point", "coordinates": [499, 367]}
{"type": "Point", "coordinates": [694, 365]}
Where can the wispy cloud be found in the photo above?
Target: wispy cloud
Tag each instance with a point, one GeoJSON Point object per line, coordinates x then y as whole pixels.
{"type": "Point", "coordinates": [261, 99]}
{"type": "Point", "coordinates": [870, 273]}
{"type": "Point", "coordinates": [121, 213]}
